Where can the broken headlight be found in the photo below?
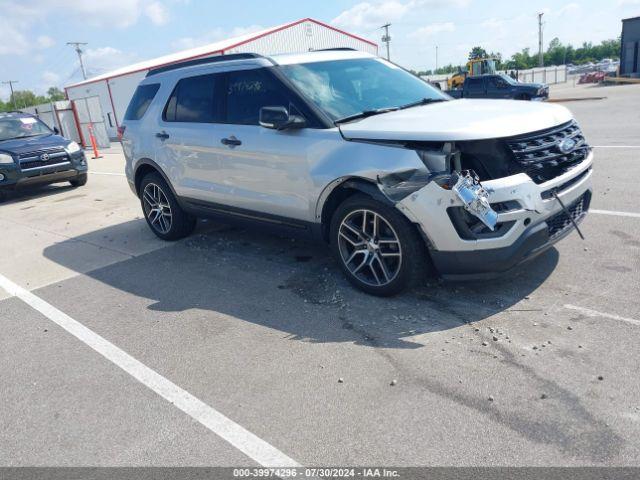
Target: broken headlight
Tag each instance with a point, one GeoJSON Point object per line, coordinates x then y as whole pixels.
{"type": "Point", "coordinates": [474, 197]}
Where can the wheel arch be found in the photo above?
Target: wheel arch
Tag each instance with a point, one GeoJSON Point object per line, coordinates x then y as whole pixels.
{"type": "Point", "coordinates": [143, 168]}
{"type": "Point", "coordinates": [337, 192]}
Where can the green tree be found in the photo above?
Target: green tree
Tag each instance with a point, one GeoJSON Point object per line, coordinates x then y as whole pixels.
{"type": "Point", "coordinates": [477, 52]}
{"type": "Point", "coordinates": [55, 94]}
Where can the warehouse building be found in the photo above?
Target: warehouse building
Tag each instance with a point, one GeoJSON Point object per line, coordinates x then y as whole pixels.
{"type": "Point", "coordinates": [112, 91]}
{"type": "Point", "coordinates": [630, 54]}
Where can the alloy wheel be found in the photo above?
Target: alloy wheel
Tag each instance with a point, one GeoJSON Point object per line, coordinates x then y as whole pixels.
{"type": "Point", "coordinates": [157, 208]}
{"type": "Point", "coordinates": [369, 247]}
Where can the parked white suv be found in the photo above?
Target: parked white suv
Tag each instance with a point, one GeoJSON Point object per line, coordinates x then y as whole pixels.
{"type": "Point", "coordinates": [354, 150]}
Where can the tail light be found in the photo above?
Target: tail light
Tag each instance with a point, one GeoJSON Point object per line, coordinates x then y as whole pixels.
{"type": "Point", "coordinates": [121, 130]}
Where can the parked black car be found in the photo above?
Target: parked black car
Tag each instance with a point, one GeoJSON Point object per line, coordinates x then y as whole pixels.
{"type": "Point", "coordinates": [31, 153]}
{"type": "Point", "coordinates": [500, 86]}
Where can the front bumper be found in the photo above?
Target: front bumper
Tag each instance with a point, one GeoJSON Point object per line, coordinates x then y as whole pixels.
{"type": "Point", "coordinates": [529, 229]}
{"type": "Point", "coordinates": [15, 177]}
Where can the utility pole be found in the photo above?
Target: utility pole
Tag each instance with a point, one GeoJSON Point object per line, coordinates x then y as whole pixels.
{"type": "Point", "coordinates": [79, 52]}
{"type": "Point", "coordinates": [540, 52]}
{"type": "Point", "coordinates": [436, 70]}
{"type": "Point", "coordinates": [13, 97]}
{"type": "Point", "coordinates": [387, 39]}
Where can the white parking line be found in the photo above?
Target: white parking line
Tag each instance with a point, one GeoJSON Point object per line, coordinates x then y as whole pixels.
{"type": "Point", "coordinates": [107, 173]}
{"type": "Point", "coordinates": [615, 213]}
{"type": "Point", "coordinates": [594, 313]}
{"type": "Point", "coordinates": [242, 439]}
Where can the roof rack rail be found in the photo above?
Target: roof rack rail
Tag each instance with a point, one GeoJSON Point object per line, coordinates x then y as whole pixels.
{"type": "Point", "coordinates": [203, 61]}
{"type": "Point", "coordinates": [336, 49]}
{"type": "Point", "coordinates": [15, 111]}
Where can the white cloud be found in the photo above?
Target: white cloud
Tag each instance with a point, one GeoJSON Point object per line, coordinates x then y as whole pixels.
{"type": "Point", "coordinates": [568, 8]}
{"type": "Point", "coordinates": [104, 59]}
{"type": "Point", "coordinates": [212, 36]}
{"type": "Point", "coordinates": [157, 13]}
{"type": "Point", "coordinates": [50, 78]}
{"type": "Point", "coordinates": [493, 23]}
{"type": "Point", "coordinates": [628, 3]}
{"type": "Point", "coordinates": [45, 41]}
{"type": "Point", "coordinates": [433, 29]}
{"type": "Point", "coordinates": [367, 15]}
{"type": "Point", "coordinates": [12, 40]}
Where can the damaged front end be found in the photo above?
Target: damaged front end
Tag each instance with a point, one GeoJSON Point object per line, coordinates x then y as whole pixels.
{"type": "Point", "coordinates": [442, 165]}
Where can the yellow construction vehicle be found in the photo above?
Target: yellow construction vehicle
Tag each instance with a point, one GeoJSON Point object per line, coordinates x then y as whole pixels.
{"type": "Point", "coordinates": [477, 66]}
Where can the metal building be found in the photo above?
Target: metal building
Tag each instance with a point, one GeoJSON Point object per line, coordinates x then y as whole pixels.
{"type": "Point", "coordinates": [630, 54]}
{"type": "Point", "coordinates": [113, 90]}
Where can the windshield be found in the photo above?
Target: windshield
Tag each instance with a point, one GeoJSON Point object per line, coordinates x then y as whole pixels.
{"type": "Point", "coordinates": [19, 127]}
{"type": "Point", "coordinates": [508, 79]}
{"type": "Point", "coordinates": [342, 88]}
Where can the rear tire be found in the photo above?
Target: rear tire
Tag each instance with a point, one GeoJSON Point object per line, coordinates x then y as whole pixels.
{"type": "Point", "coordinates": [80, 180]}
{"type": "Point", "coordinates": [161, 210]}
{"type": "Point", "coordinates": [379, 250]}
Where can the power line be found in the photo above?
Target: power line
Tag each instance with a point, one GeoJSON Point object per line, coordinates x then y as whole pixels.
{"type": "Point", "coordinates": [13, 97]}
{"type": "Point", "coordinates": [79, 52]}
{"type": "Point", "coordinates": [387, 39]}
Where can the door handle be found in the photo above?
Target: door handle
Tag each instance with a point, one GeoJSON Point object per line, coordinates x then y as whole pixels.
{"type": "Point", "coordinates": [162, 135]}
{"type": "Point", "coordinates": [231, 141]}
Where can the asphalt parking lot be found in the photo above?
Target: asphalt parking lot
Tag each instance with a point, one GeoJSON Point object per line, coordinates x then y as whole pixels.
{"type": "Point", "coordinates": [289, 363]}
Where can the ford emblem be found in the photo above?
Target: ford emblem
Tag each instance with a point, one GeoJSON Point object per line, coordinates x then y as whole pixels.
{"type": "Point", "coordinates": [566, 145]}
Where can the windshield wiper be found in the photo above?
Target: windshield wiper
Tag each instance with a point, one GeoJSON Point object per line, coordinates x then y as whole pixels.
{"type": "Point", "coordinates": [422, 101]}
{"type": "Point", "coordinates": [365, 114]}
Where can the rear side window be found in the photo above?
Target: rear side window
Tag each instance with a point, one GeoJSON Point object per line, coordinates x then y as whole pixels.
{"type": "Point", "coordinates": [250, 90]}
{"type": "Point", "coordinates": [193, 100]}
{"type": "Point", "coordinates": [141, 100]}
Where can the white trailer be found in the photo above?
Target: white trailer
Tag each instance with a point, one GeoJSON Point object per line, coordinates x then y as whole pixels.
{"type": "Point", "coordinates": [115, 89]}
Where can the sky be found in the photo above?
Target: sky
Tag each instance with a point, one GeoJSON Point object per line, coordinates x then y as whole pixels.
{"type": "Point", "coordinates": [33, 33]}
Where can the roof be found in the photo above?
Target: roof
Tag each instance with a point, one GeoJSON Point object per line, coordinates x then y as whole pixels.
{"type": "Point", "coordinates": [205, 50]}
{"type": "Point", "coordinates": [630, 19]}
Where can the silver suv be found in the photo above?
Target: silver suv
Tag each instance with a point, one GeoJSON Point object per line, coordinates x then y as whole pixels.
{"type": "Point", "coordinates": [354, 150]}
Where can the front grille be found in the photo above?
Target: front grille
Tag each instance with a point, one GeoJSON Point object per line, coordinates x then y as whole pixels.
{"type": "Point", "coordinates": [539, 156]}
{"type": "Point", "coordinates": [561, 222]}
{"type": "Point", "coordinates": [30, 160]}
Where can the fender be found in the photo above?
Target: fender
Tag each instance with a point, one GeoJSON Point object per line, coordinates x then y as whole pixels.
{"type": "Point", "coordinates": [356, 183]}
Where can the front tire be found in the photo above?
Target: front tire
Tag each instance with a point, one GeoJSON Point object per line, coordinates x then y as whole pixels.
{"type": "Point", "coordinates": [161, 210]}
{"type": "Point", "coordinates": [378, 249]}
{"type": "Point", "coordinates": [79, 181]}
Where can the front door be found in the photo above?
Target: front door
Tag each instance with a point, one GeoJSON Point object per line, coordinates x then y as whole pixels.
{"type": "Point", "coordinates": [264, 170]}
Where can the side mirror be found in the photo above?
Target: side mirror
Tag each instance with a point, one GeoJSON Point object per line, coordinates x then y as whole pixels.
{"type": "Point", "coordinates": [56, 130]}
{"type": "Point", "coordinates": [278, 118]}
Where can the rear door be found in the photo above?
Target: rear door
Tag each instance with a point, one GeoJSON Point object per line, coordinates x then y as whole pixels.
{"type": "Point", "coordinates": [187, 137]}
{"type": "Point", "coordinates": [264, 170]}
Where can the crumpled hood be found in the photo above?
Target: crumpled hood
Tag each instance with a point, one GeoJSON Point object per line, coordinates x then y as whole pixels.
{"type": "Point", "coordinates": [29, 144]}
{"type": "Point", "coordinates": [458, 120]}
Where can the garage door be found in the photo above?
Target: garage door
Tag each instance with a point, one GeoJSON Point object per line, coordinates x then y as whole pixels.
{"type": "Point", "coordinates": [90, 113]}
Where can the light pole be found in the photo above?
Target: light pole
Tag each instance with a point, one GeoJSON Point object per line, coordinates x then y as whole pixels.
{"type": "Point", "coordinates": [13, 97]}
{"type": "Point", "coordinates": [79, 52]}
{"type": "Point", "coordinates": [387, 39]}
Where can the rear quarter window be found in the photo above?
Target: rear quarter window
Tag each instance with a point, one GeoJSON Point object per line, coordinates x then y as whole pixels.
{"type": "Point", "coordinates": [141, 100]}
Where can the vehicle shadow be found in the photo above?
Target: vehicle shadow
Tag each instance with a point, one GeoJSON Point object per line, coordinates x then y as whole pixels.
{"type": "Point", "coordinates": [8, 197]}
{"type": "Point", "coordinates": [290, 285]}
